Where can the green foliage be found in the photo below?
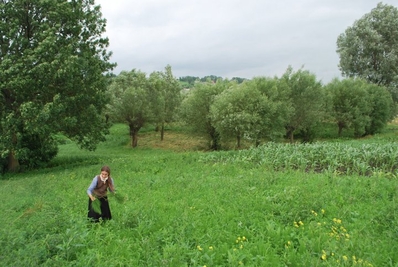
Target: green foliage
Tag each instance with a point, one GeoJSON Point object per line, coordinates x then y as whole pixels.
{"type": "Point", "coordinates": [242, 112]}
{"type": "Point", "coordinates": [382, 108]}
{"type": "Point", "coordinates": [131, 101]}
{"type": "Point", "coordinates": [166, 94]}
{"type": "Point", "coordinates": [195, 109]}
{"type": "Point", "coordinates": [138, 100]}
{"type": "Point", "coordinates": [336, 158]}
{"type": "Point", "coordinates": [358, 105]}
{"type": "Point", "coordinates": [274, 89]}
{"type": "Point", "coordinates": [96, 205]}
{"type": "Point", "coordinates": [188, 81]}
{"type": "Point", "coordinates": [52, 63]}
{"type": "Point", "coordinates": [368, 49]}
{"type": "Point", "coordinates": [37, 151]}
{"type": "Point", "coordinates": [306, 98]}
{"type": "Point", "coordinates": [213, 213]}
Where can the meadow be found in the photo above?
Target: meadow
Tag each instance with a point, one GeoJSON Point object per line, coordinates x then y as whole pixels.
{"type": "Point", "coordinates": [324, 204]}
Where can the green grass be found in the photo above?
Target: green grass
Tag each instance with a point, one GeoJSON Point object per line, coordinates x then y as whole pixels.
{"type": "Point", "coordinates": [182, 210]}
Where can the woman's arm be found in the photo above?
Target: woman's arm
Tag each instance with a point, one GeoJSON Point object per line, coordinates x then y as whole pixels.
{"type": "Point", "coordinates": [91, 188]}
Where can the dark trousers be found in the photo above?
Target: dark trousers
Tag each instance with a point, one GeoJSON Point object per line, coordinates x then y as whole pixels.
{"type": "Point", "coordinates": [105, 210]}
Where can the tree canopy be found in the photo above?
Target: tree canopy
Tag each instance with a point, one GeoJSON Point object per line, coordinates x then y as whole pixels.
{"type": "Point", "coordinates": [195, 109]}
{"type": "Point", "coordinates": [131, 101]}
{"type": "Point", "coordinates": [306, 98]}
{"type": "Point", "coordinates": [358, 105]}
{"type": "Point", "coordinates": [53, 58]}
{"type": "Point", "coordinates": [369, 48]}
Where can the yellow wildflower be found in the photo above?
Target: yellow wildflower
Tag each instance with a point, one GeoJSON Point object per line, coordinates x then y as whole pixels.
{"type": "Point", "coordinates": [199, 248]}
{"type": "Point", "coordinates": [338, 221]}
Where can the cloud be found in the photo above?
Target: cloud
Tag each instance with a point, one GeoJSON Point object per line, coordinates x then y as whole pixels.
{"type": "Point", "coordinates": [229, 38]}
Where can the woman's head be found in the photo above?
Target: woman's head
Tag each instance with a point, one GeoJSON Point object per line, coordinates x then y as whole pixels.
{"type": "Point", "coordinates": [105, 171]}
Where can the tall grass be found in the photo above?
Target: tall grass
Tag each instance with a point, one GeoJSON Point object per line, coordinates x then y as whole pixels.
{"type": "Point", "coordinates": [183, 209]}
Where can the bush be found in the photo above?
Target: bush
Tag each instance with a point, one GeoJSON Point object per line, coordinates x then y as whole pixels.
{"type": "Point", "coordinates": [37, 150]}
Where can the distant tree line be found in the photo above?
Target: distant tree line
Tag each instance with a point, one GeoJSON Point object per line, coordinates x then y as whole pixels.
{"type": "Point", "coordinates": [189, 81]}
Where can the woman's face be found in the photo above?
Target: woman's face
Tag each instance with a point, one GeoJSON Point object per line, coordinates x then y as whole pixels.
{"type": "Point", "coordinates": [104, 174]}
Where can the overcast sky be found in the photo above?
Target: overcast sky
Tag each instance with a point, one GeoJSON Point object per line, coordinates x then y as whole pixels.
{"type": "Point", "coordinates": [230, 38]}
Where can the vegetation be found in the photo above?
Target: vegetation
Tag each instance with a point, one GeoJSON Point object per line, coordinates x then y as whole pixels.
{"type": "Point", "coordinates": [294, 105]}
{"type": "Point", "coordinates": [139, 100]}
{"type": "Point", "coordinates": [195, 110]}
{"type": "Point", "coordinates": [328, 202]}
{"type": "Point", "coordinates": [52, 64]}
{"type": "Point", "coordinates": [363, 107]}
{"type": "Point", "coordinates": [255, 207]}
{"type": "Point", "coordinates": [307, 100]}
{"type": "Point", "coordinates": [368, 49]}
{"type": "Point", "coordinates": [131, 101]}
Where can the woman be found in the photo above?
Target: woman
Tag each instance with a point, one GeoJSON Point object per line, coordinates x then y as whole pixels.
{"type": "Point", "coordinates": [98, 189]}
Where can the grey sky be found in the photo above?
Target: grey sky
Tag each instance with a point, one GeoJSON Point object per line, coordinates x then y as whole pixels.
{"type": "Point", "coordinates": [230, 38]}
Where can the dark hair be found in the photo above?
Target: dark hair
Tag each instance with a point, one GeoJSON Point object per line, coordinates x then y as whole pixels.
{"type": "Point", "coordinates": [106, 169]}
{"type": "Point", "coordinates": [109, 181]}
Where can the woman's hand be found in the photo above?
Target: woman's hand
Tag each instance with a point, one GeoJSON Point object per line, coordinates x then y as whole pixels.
{"type": "Point", "coordinates": [92, 197]}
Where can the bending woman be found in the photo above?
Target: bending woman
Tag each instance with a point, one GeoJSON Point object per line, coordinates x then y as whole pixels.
{"type": "Point", "coordinates": [98, 189]}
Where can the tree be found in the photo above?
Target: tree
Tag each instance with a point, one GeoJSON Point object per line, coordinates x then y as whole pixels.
{"type": "Point", "coordinates": [351, 105]}
{"type": "Point", "coordinates": [277, 92]}
{"type": "Point", "coordinates": [369, 48]}
{"type": "Point", "coordinates": [131, 101]}
{"type": "Point", "coordinates": [167, 91]}
{"type": "Point", "coordinates": [52, 64]}
{"type": "Point", "coordinates": [188, 81]}
{"type": "Point", "coordinates": [306, 98]}
{"type": "Point", "coordinates": [195, 110]}
{"type": "Point", "coordinates": [241, 111]}
{"type": "Point", "coordinates": [381, 106]}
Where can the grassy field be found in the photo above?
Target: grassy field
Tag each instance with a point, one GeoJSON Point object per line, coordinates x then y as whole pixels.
{"type": "Point", "coordinates": [186, 207]}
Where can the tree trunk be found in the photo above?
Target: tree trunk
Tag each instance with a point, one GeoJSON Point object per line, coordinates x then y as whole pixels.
{"type": "Point", "coordinates": [135, 140]}
{"type": "Point", "coordinates": [341, 126]}
{"type": "Point", "coordinates": [291, 137]}
{"type": "Point", "coordinates": [290, 134]}
{"type": "Point", "coordinates": [215, 140]}
{"type": "Point", "coordinates": [238, 141]}
{"type": "Point", "coordinates": [13, 163]}
{"type": "Point", "coordinates": [133, 136]}
{"type": "Point", "coordinates": [162, 132]}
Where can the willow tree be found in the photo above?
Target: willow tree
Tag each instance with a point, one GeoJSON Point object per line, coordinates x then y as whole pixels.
{"type": "Point", "coordinates": [195, 109]}
{"type": "Point", "coordinates": [369, 48]}
{"type": "Point", "coordinates": [359, 106]}
{"type": "Point", "coordinates": [306, 98]}
{"type": "Point", "coordinates": [53, 58]}
{"type": "Point", "coordinates": [166, 94]}
{"type": "Point", "coordinates": [243, 112]}
{"type": "Point", "coordinates": [131, 101]}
